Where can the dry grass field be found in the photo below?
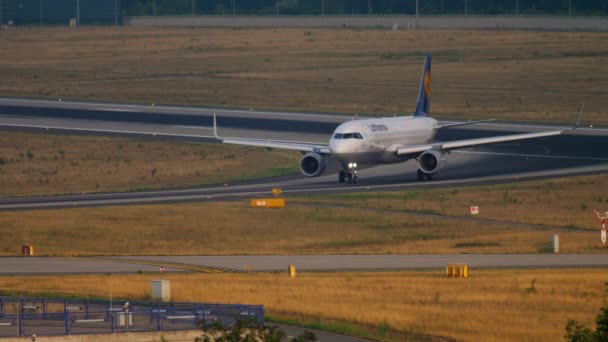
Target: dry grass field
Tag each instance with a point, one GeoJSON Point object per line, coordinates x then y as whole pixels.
{"type": "Point", "coordinates": [508, 75]}
{"type": "Point", "coordinates": [492, 305]}
{"type": "Point", "coordinates": [35, 164]}
{"type": "Point", "coordinates": [234, 228]}
{"type": "Point", "coordinates": [560, 202]}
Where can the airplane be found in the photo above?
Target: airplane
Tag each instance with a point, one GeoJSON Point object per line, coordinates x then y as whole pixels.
{"type": "Point", "coordinates": [385, 140]}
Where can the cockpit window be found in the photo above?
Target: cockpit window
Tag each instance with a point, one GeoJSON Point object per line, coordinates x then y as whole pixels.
{"type": "Point", "coordinates": [348, 136]}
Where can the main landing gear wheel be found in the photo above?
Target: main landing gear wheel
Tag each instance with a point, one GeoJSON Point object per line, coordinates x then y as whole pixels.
{"type": "Point", "coordinates": [421, 175]}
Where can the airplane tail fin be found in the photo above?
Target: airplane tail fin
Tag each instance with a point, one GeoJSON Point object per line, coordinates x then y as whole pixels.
{"type": "Point", "coordinates": [423, 106]}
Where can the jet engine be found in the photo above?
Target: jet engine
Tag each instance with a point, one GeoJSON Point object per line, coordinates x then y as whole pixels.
{"type": "Point", "coordinates": [432, 161]}
{"type": "Point", "coordinates": [313, 164]}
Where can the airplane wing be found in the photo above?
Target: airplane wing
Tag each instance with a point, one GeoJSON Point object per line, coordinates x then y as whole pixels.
{"type": "Point", "coordinates": [463, 123]}
{"type": "Point", "coordinates": [452, 145]}
{"type": "Point", "coordinates": [285, 145]}
{"type": "Point", "coordinates": [280, 144]}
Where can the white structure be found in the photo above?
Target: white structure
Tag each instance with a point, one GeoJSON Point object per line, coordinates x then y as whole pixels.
{"type": "Point", "coordinates": [125, 319]}
{"type": "Point", "coordinates": [161, 289]}
{"type": "Point", "coordinates": [555, 243]}
{"type": "Point", "coordinates": [602, 218]}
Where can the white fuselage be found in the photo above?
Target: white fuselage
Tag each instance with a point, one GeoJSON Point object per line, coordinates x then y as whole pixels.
{"type": "Point", "coordinates": [374, 141]}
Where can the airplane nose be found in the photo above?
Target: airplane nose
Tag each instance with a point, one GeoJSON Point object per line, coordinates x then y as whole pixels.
{"type": "Point", "coordinates": [341, 151]}
{"type": "Point", "coordinates": [336, 147]}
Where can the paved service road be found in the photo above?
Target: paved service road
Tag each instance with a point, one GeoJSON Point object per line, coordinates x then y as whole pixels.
{"type": "Point", "coordinates": [132, 264]}
{"type": "Point", "coordinates": [43, 265]}
{"type": "Point", "coordinates": [322, 336]}
{"type": "Point", "coordinates": [384, 262]}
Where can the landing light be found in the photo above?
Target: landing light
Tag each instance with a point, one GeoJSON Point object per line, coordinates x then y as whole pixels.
{"type": "Point", "coordinates": [352, 165]}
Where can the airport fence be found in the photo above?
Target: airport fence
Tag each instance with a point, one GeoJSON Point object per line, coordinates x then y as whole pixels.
{"type": "Point", "coordinates": [46, 317]}
{"type": "Point", "coordinates": [60, 12]}
{"type": "Point", "coordinates": [510, 22]}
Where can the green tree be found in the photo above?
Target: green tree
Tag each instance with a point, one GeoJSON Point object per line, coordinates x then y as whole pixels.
{"type": "Point", "coordinates": [576, 332]}
{"type": "Point", "coordinates": [601, 324]}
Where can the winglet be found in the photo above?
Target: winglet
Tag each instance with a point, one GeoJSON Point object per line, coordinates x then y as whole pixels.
{"type": "Point", "coordinates": [580, 115]}
{"type": "Point", "coordinates": [215, 127]}
{"type": "Point", "coordinates": [423, 105]}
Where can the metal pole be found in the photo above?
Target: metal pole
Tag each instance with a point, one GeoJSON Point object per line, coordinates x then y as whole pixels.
{"type": "Point", "coordinates": [21, 318]}
{"type": "Point", "coordinates": [233, 7]}
{"type": "Point", "coordinates": [465, 7]}
{"type": "Point", "coordinates": [569, 8]}
{"type": "Point", "coordinates": [110, 281]}
{"type": "Point", "coordinates": [66, 317]}
{"type": "Point", "coordinates": [78, 12]}
{"type": "Point", "coordinates": [417, 9]}
{"type": "Point", "coordinates": [154, 8]}
{"type": "Point", "coordinates": [369, 7]}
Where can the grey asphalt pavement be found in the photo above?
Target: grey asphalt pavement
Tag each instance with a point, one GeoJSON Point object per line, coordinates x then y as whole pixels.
{"type": "Point", "coordinates": [43, 265]}
{"type": "Point", "coordinates": [322, 336]}
{"type": "Point", "coordinates": [383, 262]}
{"type": "Point", "coordinates": [268, 263]}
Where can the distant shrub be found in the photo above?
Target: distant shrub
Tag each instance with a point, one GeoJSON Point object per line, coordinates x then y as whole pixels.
{"type": "Point", "coordinates": [576, 332]}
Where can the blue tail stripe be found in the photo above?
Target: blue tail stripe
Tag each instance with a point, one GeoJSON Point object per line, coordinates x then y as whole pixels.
{"type": "Point", "coordinates": [423, 105]}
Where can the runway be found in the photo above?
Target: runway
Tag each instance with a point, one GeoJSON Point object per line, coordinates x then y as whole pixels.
{"type": "Point", "coordinates": [579, 152]}
{"type": "Point", "coordinates": [273, 263]}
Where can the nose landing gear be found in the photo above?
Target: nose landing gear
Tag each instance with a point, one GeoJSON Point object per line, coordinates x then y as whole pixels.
{"type": "Point", "coordinates": [349, 174]}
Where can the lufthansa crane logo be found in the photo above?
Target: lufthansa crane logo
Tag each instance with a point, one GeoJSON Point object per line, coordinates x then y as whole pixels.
{"type": "Point", "coordinates": [427, 83]}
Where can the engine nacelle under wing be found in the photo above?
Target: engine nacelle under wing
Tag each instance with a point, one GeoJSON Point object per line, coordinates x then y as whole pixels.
{"type": "Point", "coordinates": [313, 164]}
{"type": "Point", "coordinates": [432, 161]}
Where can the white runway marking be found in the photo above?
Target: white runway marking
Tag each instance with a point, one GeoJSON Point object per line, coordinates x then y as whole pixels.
{"type": "Point", "coordinates": [193, 127]}
{"type": "Point", "coordinates": [117, 110]}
